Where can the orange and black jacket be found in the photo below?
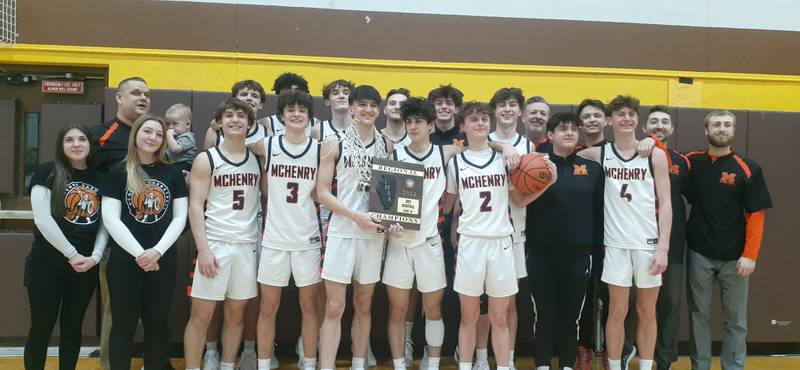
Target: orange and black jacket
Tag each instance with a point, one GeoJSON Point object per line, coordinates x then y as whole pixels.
{"type": "Point", "coordinates": [112, 143]}
{"type": "Point", "coordinates": [728, 196]}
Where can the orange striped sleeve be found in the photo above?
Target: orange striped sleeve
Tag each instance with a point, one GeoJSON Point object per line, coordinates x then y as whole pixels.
{"type": "Point", "coordinates": [744, 166]}
{"type": "Point", "coordinates": [754, 233]}
{"type": "Point", "coordinates": [659, 144]}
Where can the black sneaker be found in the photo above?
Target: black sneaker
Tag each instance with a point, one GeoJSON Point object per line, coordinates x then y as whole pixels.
{"type": "Point", "coordinates": [626, 358]}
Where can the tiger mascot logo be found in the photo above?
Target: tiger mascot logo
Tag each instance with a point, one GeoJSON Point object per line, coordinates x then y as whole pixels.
{"type": "Point", "coordinates": [81, 203]}
{"type": "Point", "coordinates": [150, 205]}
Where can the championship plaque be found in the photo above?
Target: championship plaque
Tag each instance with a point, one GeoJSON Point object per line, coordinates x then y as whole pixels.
{"type": "Point", "coordinates": [396, 193]}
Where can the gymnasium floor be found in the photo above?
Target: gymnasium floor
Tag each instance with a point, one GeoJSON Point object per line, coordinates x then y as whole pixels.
{"type": "Point", "coordinates": [754, 363]}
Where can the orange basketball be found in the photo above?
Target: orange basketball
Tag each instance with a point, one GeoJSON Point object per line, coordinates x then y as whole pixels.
{"type": "Point", "coordinates": [532, 174]}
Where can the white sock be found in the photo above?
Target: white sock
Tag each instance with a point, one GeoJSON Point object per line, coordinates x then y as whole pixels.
{"type": "Point", "coordinates": [409, 327]}
{"type": "Point", "coordinates": [614, 364]}
{"type": "Point", "coordinates": [464, 366]}
{"type": "Point", "coordinates": [433, 363]}
{"type": "Point", "coordinates": [192, 368]}
{"type": "Point", "coordinates": [543, 368]}
{"type": "Point", "coordinates": [250, 345]}
{"type": "Point", "coordinates": [502, 368]}
{"type": "Point", "coordinates": [226, 366]}
{"type": "Point", "coordinates": [211, 346]}
{"type": "Point", "coordinates": [482, 354]}
{"type": "Point", "coordinates": [310, 362]}
{"type": "Point", "coordinates": [399, 363]}
{"type": "Point", "coordinates": [358, 363]}
{"type": "Point", "coordinates": [645, 364]}
{"type": "Point", "coordinates": [567, 368]}
{"type": "Point", "coordinates": [511, 355]}
{"type": "Point", "coordinates": [263, 363]}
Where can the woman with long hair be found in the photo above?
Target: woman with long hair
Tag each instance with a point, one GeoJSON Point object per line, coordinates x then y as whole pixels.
{"type": "Point", "coordinates": [68, 241]}
{"type": "Point", "coordinates": [144, 208]}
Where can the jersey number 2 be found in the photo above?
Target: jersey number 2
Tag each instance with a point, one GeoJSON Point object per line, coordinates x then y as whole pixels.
{"type": "Point", "coordinates": [487, 197]}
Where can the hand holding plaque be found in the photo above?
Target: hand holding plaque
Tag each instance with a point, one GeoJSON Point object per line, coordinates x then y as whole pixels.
{"type": "Point", "coordinates": [396, 193]}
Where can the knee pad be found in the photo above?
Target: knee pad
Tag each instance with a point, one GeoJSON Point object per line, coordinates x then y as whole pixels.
{"type": "Point", "coordinates": [434, 332]}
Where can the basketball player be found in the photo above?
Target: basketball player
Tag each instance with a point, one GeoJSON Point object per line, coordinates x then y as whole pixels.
{"type": "Point", "coordinates": [659, 123]}
{"type": "Point", "coordinates": [593, 120]}
{"type": "Point", "coordinates": [226, 179]}
{"type": "Point", "coordinates": [506, 104]}
{"type": "Point", "coordinates": [636, 235]}
{"type": "Point", "coordinates": [395, 129]}
{"type": "Point", "coordinates": [290, 248]}
{"type": "Point", "coordinates": [252, 93]}
{"type": "Point", "coordinates": [288, 81]}
{"type": "Point", "coordinates": [335, 94]}
{"type": "Point", "coordinates": [447, 100]}
{"type": "Point", "coordinates": [477, 178]}
{"type": "Point", "coordinates": [354, 242]}
{"type": "Point", "coordinates": [535, 116]}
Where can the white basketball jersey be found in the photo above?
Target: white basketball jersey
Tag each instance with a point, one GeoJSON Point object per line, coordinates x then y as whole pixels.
{"type": "Point", "coordinates": [481, 182]}
{"type": "Point", "coordinates": [523, 146]}
{"type": "Point", "coordinates": [233, 198]}
{"type": "Point", "coordinates": [278, 127]}
{"type": "Point", "coordinates": [253, 137]}
{"type": "Point", "coordinates": [292, 218]}
{"type": "Point", "coordinates": [405, 140]}
{"type": "Point", "coordinates": [352, 194]}
{"type": "Point", "coordinates": [326, 129]}
{"type": "Point", "coordinates": [630, 201]}
{"type": "Point", "coordinates": [433, 186]}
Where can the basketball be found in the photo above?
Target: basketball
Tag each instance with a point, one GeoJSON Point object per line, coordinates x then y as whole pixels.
{"type": "Point", "coordinates": [532, 174]}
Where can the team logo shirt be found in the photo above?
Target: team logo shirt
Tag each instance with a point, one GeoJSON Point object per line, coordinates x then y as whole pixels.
{"type": "Point", "coordinates": [81, 203]}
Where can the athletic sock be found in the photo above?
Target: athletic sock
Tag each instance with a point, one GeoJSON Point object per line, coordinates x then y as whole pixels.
{"type": "Point", "coordinates": [310, 362]}
{"type": "Point", "coordinates": [358, 363]}
{"type": "Point", "coordinates": [399, 363]}
{"type": "Point", "coordinates": [433, 363]}
{"type": "Point", "coordinates": [227, 366]}
{"type": "Point", "coordinates": [464, 366]}
{"type": "Point", "coordinates": [211, 346]}
{"type": "Point", "coordinates": [263, 364]}
{"type": "Point", "coordinates": [645, 364]}
{"type": "Point", "coordinates": [409, 327]}
{"type": "Point", "coordinates": [250, 345]}
{"type": "Point", "coordinates": [614, 364]}
{"type": "Point", "coordinates": [482, 355]}
{"type": "Point", "coordinates": [502, 368]}
{"type": "Point", "coordinates": [543, 368]}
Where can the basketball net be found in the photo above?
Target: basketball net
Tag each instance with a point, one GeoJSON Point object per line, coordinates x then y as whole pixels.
{"type": "Point", "coordinates": [8, 23]}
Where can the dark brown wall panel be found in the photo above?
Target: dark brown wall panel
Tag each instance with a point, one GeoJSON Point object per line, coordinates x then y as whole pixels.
{"type": "Point", "coordinates": [56, 116]}
{"type": "Point", "coordinates": [446, 38]}
{"type": "Point", "coordinates": [690, 131]}
{"type": "Point", "coordinates": [8, 123]}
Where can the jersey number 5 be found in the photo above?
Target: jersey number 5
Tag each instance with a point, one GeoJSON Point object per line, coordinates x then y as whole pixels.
{"type": "Point", "coordinates": [487, 197]}
{"type": "Point", "coordinates": [624, 194]}
{"type": "Point", "coordinates": [238, 200]}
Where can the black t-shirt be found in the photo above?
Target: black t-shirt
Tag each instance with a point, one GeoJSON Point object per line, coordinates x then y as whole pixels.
{"type": "Point", "coordinates": [81, 218]}
{"type": "Point", "coordinates": [568, 217]}
{"type": "Point", "coordinates": [544, 147]}
{"type": "Point", "coordinates": [147, 214]}
{"type": "Point", "coordinates": [679, 185]}
{"type": "Point", "coordinates": [453, 136]}
{"type": "Point", "coordinates": [721, 191]}
{"type": "Point", "coordinates": [112, 143]}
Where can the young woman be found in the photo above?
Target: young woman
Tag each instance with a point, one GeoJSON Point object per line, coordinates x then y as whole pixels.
{"type": "Point", "coordinates": [144, 208]}
{"type": "Point", "coordinates": [68, 241]}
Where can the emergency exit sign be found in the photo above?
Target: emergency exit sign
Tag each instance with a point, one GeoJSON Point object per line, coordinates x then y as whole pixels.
{"type": "Point", "coordinates": [62, 87]}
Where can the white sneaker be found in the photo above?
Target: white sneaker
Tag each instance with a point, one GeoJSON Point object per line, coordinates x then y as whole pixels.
{"type": "Point", "coordinates": [273, 361]}
{"type": "Point", "coordinates": [298, 349]}
{"type": "Point", "coordinates": [423, 363]}
{"type": "Point", "coordinates": [409, 354]}
{"type": "Point", "coordinates": [480, 365]}
{"type": "Point", "coordinates": [455, 356]}
{"type": "Point", "coordinates": [248, 360]}
{"type": "Point", "coordinates": [211, 360]}
{"type": "Point", "coordinates": [371, 361]}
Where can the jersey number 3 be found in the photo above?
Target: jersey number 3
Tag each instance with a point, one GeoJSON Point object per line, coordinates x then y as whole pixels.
{"type": "Point", "coordinates": [293, 187]}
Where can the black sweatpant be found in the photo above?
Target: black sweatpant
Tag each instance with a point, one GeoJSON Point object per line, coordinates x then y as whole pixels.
{"type": "Point", "coordinates": [558, 287]}
{"type": "Point", "coordinates": [137, 294]}
{"type": "Point", "coordinates": [56, 291]}
{"type": "Point", "coordinates": [596, 290]}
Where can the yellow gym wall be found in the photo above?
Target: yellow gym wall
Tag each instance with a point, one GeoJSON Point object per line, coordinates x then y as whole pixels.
{"type": "Point", "coordinates": [217, 71]}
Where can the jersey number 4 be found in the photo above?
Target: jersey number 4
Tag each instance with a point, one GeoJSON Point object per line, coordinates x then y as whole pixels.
{"type": "Point", "coordinates": [624, 194]}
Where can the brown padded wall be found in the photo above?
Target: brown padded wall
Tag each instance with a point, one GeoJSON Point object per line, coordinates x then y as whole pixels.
{"type": "Point", "coordinates": [8, 118]}
{"type": "Point", "coordinates": [56, 116]}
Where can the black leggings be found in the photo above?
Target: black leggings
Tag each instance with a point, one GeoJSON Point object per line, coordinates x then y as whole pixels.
{"type": "Point", "coordinates": [558, 287]}
{"type": "Point", "coordinates": [56, 291]}
{"type": "Point", "coordinates": [137, 294]}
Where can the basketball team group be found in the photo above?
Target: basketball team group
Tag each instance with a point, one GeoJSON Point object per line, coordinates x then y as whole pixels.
{"type": "Point", "coordinates": [597, 230]}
